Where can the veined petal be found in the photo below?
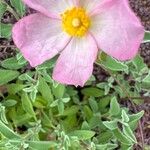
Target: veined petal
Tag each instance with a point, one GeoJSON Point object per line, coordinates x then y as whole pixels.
{"type": "Point", "coordinates": [91, 5]}
{"type": "Point", "coordinates": [75, 64]}
{"type": "Point", "coordinates": [39, 38]}
{"type": "Point", "coordinates": [51, 8]}
{"type": "Point", "coordinates": [117, 30]}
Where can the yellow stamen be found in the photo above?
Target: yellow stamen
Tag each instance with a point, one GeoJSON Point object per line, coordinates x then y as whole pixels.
{"type": "Point", "coordinates": [75, 21]}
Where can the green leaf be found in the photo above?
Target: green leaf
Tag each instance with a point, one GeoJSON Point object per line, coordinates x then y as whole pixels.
{"type": "Point", "coordinates": [59, 91]}
{"type": "Point", "coordinates": [138, 62]}
{"type": "Point", "coordinates": [61, 107]}
{"type": "Point", "coordinates": [95, 121]}
{"type": "Point", "coordinates": [129, 133]}
{"type": "Point", "coordinates": [11, 63]}
{"type": "Point", "coordinates": [114, 107]}
{"type": "Point", "coordinates": [36, 145]}
{"type": "Point", "coordinates": [9, 103]}
{"type": "Point", "coordinates": [19, 6]}
{"type": "Point", "coordinates": [111, 146]}
{"type": "Point", "coordinates": [87, 112]}
{"type": "Point", "coordinates": [65, 100]}
{"type": "Point", "coordinates": [54, 103]}
{"type": "Point", "coordinates": [27, 105]}
{"type": "Point", "coordinates": [7, 76]}
{"type": "Point", "coordinates": [111, 125]}
{"type": "Point", "coordinates": [3, 114]}
{"type": "Point", "coordinates": [101, 147]}
{"type": "Point", "coordinates": [121, 137]}
{"type": "Point", "coordinates": [93, 105]}
{"type": "Point", "coordinates": [22, 119]}
{"type": "Point", "coordinates": [104, 102]}
{"type": "Point", "coordinates": [83, 134]}
{"type": "Point", "coordinates": [92, 91]}
{"type": "Point", "coordinates": [108, 146]}
{"type": "Point", "coordinates": [3, 8]}
{"type": "Point", "coordinates": [147, 78]}
{"type": "Point", "coordinates": [111, 63]}
{"type": "Point", "coordinates": [147, 37]}
{"type": "Point", "coordinates": [42, 145]}
{"type": "Point", "coordinates": [21, 60]}
{"type": "Point", "coordinates": [126, 147]}
{"type": "Point", "coordinates": [105, 136]}
{"type": "Point", "coordinates": [7, 132]}
{"type": "Point", "coordinates": [133, 124]}
{"type": "Point", "coordinates": [124, 116]}
{"type": "Point", "coordinates": [46, 120]}
{"type": "Point", "coordinates": [5, 30]}
{"type": "Point", "coordinates": [15, 88]}
{"type": "Point", "coordinates": [48, 64]}
{"type": "Point", "coordinates": [33, 94]}
{"type": "Point", "coordinates": [28, 76]}
{"type": "Point", "coordinates": [85, 126]}
{"type": "Point", "coordinates": [71, 110]}
{"type": "Point", "coordinates": [70, 122]}
{"type": "Point", "coordinates": [136, 117]}
{"type": "Point", "coordinates": [46, 76]}
{"type": "Point", "coordinates": [39, 102]}
{"type": "Point", "coordinates": [45, 90]}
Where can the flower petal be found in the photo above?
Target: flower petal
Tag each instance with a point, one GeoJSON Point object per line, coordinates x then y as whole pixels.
{"type": "Point", "coordinates": [39, 38]}
{"type": "Point", "coordinates": [75, 64]}
{"type": "Point", "coordinates": [51, 8]}
{"type": "Point", "coordinates": [117, 30]}
{"type": "Point", "coordinates": [91, 5]}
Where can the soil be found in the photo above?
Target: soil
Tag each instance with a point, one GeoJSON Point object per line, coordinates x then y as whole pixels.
{"type": "Point", "coordinates": [142, 9]}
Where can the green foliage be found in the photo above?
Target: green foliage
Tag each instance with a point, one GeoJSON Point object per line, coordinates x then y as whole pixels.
{"type": "Point", "coordinates": [7, 76]}
{"type": "Point", "coordinates": [45, 90]}
{"type": "Point", "coordinates": [5, 30]}
{"type": "Point", "coordinates": [86, 118]}
{"type": "Point", "coordinates": [114, 107]}
{"type": "Point", "coordinates": [82, 134]}
{"type": "Point", "coordinates": [111, 63]}
{"type": "Point", "coordinates": [7, 132]}
{"type": "Point", "coordinates": [19, 6]}
{"type": "Point", "coordinates": [147, 37]}
{"type": "Point", "coordinates": [38, 113]}
{"type": "Point", "coordinates": [92, 91]}
{"type": "Point", "coordinates": [27, 105]}
{"type": "Point", "coordinates": [11, 63]}
{"type": "Point", "coordinates": [3, 8]}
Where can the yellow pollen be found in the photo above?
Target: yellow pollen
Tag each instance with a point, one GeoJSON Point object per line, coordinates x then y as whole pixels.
{"type": "Point", "coordinates": [75, 21]}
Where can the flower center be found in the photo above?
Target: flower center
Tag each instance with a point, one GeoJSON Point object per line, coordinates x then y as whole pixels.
{"type": "Point", "coordinates": [75, 21]}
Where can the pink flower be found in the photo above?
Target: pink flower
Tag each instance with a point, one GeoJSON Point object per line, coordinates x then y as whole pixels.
{"type": "Point", "coordinates": [77, 29]}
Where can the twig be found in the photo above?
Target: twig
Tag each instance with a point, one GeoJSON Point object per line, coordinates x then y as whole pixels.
{"type": "Point", "coordinates": [8, 46]}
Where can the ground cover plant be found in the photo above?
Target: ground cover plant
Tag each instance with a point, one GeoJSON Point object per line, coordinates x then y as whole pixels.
{"type": "Point", "coordinates": [40, 113]}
